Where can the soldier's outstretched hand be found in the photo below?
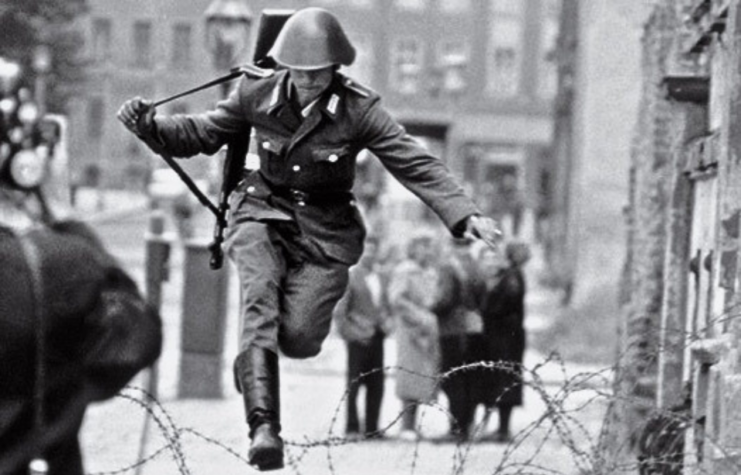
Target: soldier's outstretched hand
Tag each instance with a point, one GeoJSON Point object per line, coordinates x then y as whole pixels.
{"type": "Point", "coordinates": [137, 115]}
{"type": "Point", "coordinates": [484, 228]}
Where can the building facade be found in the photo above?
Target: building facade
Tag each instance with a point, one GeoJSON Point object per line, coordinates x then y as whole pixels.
{"type": "Point", "coordinates": [147, 49]}
{"type": "Point", "coordinates": [473, 79]}
{"type": "Point", "coordinates": [680, 355]}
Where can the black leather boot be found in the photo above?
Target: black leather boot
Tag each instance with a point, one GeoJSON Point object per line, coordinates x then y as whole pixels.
{"type": "Point", "coordinates": [257, 376]}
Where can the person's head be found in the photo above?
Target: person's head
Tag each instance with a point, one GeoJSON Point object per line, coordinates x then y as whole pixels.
{"type": "Point", "coordinates": [311, 83]}
{"type": "Point", "coordinates": [312, 45]}
{"type": "Point", "coordinates": [491, 261]}
{"type": "Point", "coordinates": [518, 253]}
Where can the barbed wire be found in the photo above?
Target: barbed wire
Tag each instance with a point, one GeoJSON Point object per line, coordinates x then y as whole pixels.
{"type": "Point", "coordinates": [560, 422]}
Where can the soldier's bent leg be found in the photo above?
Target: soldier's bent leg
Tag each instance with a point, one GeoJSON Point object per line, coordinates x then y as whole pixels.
{"type": "Point", "coordinates": [311, 293]}
{"type": "Point", "coordinates": [253, 248]}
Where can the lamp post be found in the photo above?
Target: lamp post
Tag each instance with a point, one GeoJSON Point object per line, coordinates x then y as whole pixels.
{"type": "Point", "coordinates": [41, 65]}
{"type": "Point", "coordinates": [228, 24]}
{"type": "Point", "coordinates": [205, 292]}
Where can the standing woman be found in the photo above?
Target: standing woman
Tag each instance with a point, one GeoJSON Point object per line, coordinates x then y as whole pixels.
{"type": "Point", "coordinates": [412, 293]}
{"type": "Point", "coordinates": [460, 329]}
{"type": "Point", "coordinates": [503, 313]}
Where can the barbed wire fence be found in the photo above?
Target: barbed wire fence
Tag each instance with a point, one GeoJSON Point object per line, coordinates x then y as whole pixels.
{"type": "Point", "coordinates": [559, 426]}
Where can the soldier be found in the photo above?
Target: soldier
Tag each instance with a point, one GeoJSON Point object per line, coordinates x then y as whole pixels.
{"type": "Point", "coordinates": [294, 227]}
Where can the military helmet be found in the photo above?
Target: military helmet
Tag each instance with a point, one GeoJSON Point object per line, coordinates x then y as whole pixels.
{"type": "Point", "coordinates": [312, 38]}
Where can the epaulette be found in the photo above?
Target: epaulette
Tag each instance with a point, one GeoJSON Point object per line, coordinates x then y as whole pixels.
{"type": "Point", "coordinates": [356, 87]}
{"type": "Point", "coordinates": [253, 72]}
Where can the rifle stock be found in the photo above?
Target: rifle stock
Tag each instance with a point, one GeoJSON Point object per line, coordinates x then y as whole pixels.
{"type": "Point", "coordinates": [236, 154]}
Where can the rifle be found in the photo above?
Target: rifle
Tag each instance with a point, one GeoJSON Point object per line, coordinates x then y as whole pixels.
{"type": "Point", "coordinates": [271, 23]}
{"type": "Point", "coordinates": [233, 164]}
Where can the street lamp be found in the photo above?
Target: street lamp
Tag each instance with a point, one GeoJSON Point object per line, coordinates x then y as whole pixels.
{"type": "Point", "coordinates": [41, 65]}
{"type": "Point", "coordinates": [205, 293]}
{"type": "Point", "coordinates": [228, 25]}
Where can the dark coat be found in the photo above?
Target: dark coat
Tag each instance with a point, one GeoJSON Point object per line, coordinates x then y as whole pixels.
{"type": "Point", "coordinates": [92, 348]}
{"type": "Point", "coordinates": [503, 313]}
{"type": "Point", "coordinates": [315, 156]}
{"type": "Point", "coordinates": [459, 290]}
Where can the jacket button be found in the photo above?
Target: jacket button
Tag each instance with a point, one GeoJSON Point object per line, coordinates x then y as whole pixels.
{"type": "Point", "coordinates": [296, 168]}
{"type": "Point", "coordinates": [333, 158]}
{"type": "Point", "coordinates": [250, 189]}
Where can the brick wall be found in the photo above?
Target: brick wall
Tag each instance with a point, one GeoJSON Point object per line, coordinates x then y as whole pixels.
{"type": "Point", "coordinates": [680, 325]}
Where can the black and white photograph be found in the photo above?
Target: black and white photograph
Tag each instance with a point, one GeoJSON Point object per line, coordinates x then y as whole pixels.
{"type": "Point", "coordinates": [361, 237]}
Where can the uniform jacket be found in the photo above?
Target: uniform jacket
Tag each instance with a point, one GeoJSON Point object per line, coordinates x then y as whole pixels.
{"type": "Point", "coordinates": [96, 341]}
{"type": "Point", "coordinates": [357, 316]}
{"type": "Point", "coordinates": [315, 156]}
{"type": "Point", "coordinates": [412, 295]}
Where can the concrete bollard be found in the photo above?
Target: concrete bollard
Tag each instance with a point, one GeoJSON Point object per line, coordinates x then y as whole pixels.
{"type": "Point", "coordinates": [205, 294]}
{"type": "Point", "coordinates": [157, 258]}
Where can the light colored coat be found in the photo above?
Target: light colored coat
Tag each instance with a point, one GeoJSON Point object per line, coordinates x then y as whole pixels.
{"type": "Point", "coordinates": [412, 293]}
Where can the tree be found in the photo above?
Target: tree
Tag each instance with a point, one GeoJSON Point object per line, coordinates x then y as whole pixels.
{"type": "Point", "coordinates": [26, 24]}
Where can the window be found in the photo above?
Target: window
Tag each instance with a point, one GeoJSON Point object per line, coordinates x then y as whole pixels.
{"type": "Point", "coordinates": [547, 67]}
{"type": "Point", "coordinates": [455, 6]}
{"type": "Point", "coordinates": [101, 44]}
{"type": "Point", "coordinates": [406, 65]}
{"type": "Point", "coordinates": [142, 44]}
{"type": "Point", "coordinates": [95, 118]}
{"type": "Point", "coordinates": [453, 60]}
{"type": "Point", "coordinates": [504, 52]}
{"type": "Point", "coordinates": [415, 5]}
{"type": "Point", "coordinates": [181, 46]}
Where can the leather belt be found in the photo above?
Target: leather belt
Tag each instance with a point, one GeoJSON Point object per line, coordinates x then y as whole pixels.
{"type": "Point", "coordinates": [302, 198]}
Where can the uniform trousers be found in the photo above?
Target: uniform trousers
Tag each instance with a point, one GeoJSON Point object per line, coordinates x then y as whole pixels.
{"type": "Point", "coordinates": [288, 287]}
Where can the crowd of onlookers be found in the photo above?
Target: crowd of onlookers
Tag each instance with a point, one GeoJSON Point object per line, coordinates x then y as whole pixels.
{"type": "Point", "coordinates": [448, 303]}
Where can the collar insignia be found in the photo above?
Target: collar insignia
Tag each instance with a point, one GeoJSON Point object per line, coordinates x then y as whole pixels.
{"type": "Point", "coordinates": [332, 104]}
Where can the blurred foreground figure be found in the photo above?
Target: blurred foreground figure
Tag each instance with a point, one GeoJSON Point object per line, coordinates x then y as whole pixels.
{"type": "Point", "coordinates": [73, 327]}
{"type": "Point", "coordinates": [294, 226]}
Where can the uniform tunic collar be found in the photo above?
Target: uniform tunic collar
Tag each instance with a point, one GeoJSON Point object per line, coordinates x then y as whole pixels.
{"type": "Point", "coordinates": [328, 102]}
